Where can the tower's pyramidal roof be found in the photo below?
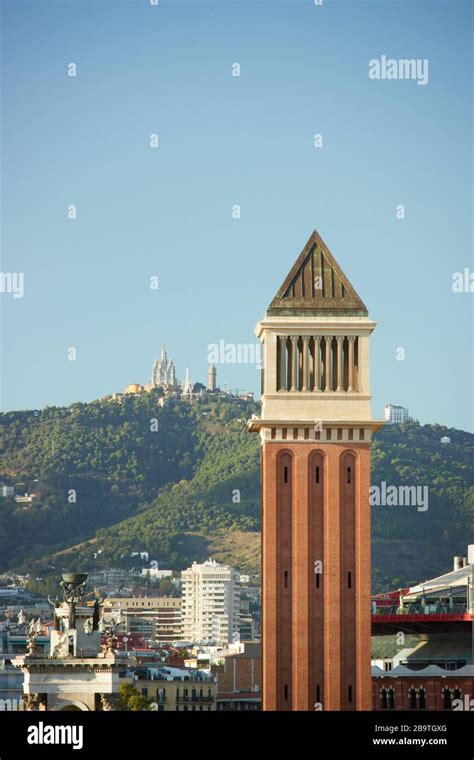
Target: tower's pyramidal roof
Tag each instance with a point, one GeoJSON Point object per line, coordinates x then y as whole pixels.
{"type": "Point", "coordinates": [316, 286]}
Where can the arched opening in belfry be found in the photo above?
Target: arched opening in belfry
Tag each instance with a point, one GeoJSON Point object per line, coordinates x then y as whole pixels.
{"type": "Point", "coordinates": [345, 364]}
{"type": "Point", "coordinates": [319, 363]}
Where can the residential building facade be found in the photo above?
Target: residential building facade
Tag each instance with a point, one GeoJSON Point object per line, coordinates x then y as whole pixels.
{"type": "Point", "coordinates": [395, 415]}
{"type": "Point", "coordinates": [210, 603]}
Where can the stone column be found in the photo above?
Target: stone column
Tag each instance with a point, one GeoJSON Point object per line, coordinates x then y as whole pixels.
{"type": "Point", "coordinates": [283, 384]}
{"type": "Point", "coordinates": [327, 364]}
{"type": "Point", "coordinates": [294, 363]}
{"type": "Point", "coordinates": [317, 364]}
{"type": "Point", "coordinates": [304, 384]}
{"type": "Point", "coordinates": [340, 341]}
{"type": "Point", "coordinates": [351, 363]}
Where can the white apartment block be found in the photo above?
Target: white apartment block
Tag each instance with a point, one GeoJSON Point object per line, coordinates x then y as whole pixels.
{"type": "Point", "coordinates": [210, 603]}
{"type": "Point", "coordinates": [394, 415]}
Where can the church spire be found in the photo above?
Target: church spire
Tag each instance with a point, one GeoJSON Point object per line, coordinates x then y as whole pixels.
{"type": "Point", "coordinates": [316, 286]}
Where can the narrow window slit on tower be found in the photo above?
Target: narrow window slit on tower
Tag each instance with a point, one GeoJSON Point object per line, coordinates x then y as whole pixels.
{"type": "Point", "coordinates": [349, 693]}
{"type": "Point", "coordinates": [286, 692]}
{"type": "Point", "coordinates": [317, 474]}
{"type": "Point", "coordinates": [349, 579]}
{"type": "Point", "coordinates": [286, 578]}
{"type": "Point", "coordinates": [285, 474]}
{"type": "Point", "coordinates": [349, 474]}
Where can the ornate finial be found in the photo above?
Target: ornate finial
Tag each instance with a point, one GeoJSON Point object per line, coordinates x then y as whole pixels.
{"type": "Point", "coordinates": [73, 585]}
{"type": "Point", "coordinates": [88, 627]}
{"type": "Point", "coordinates": [35, 629]}
{"type": "Point", "coordinates": [21, 618]}
{"type": "Point", "coordinates": [107, 629]}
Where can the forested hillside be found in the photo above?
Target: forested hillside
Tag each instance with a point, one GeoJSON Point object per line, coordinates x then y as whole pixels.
{"type": "Point", "coordinates": [181, 482]}
{"type": "Point", "coordinates": [94, 465]}
{"type": "Point", "coordinates": [410, 545]}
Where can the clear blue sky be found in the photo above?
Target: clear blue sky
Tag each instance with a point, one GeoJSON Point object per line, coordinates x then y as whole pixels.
{"type": "Point", "coordinates": [227, 140]}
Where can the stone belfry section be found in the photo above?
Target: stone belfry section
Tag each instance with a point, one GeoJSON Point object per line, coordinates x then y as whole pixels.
{"type": "Point", "coordinates": [315, 430]}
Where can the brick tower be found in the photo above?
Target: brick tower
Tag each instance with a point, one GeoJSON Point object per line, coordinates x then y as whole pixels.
{"type": "Point", "coordinates": [315, 429]}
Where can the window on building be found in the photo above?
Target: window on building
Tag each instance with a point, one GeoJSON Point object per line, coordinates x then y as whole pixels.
{"type": "Point", "coordinates": [446, 694]}
{"type": "Point", "coordinates": [422, 699]}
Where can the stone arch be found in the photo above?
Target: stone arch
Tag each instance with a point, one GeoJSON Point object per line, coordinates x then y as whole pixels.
{"type": "Point", "coordinates": [316, 464]}
{"type": "Point", "coordinates": [284, 507]}
{"type": "Point", "coordinates": [347, 581]}
{"type": "Point", "coordinates": [74, 707]}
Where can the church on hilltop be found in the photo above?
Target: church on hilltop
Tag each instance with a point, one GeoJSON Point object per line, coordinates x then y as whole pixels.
{"type": "Point", "coordinates": [164, 376]}
{"type": "Point", "coordinates": [163, 373]}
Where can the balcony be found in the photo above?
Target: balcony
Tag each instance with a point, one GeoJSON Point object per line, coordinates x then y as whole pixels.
{"type": "Point", "coordinates": [438, 608]}
{"type": "Point", "coordinates": [197, 699]}
{"type": "Point", "coordinates": [418, 618]}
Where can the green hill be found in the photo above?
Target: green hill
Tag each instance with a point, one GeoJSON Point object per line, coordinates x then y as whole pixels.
{"type": "Point", "coordinates": [191, 489]}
